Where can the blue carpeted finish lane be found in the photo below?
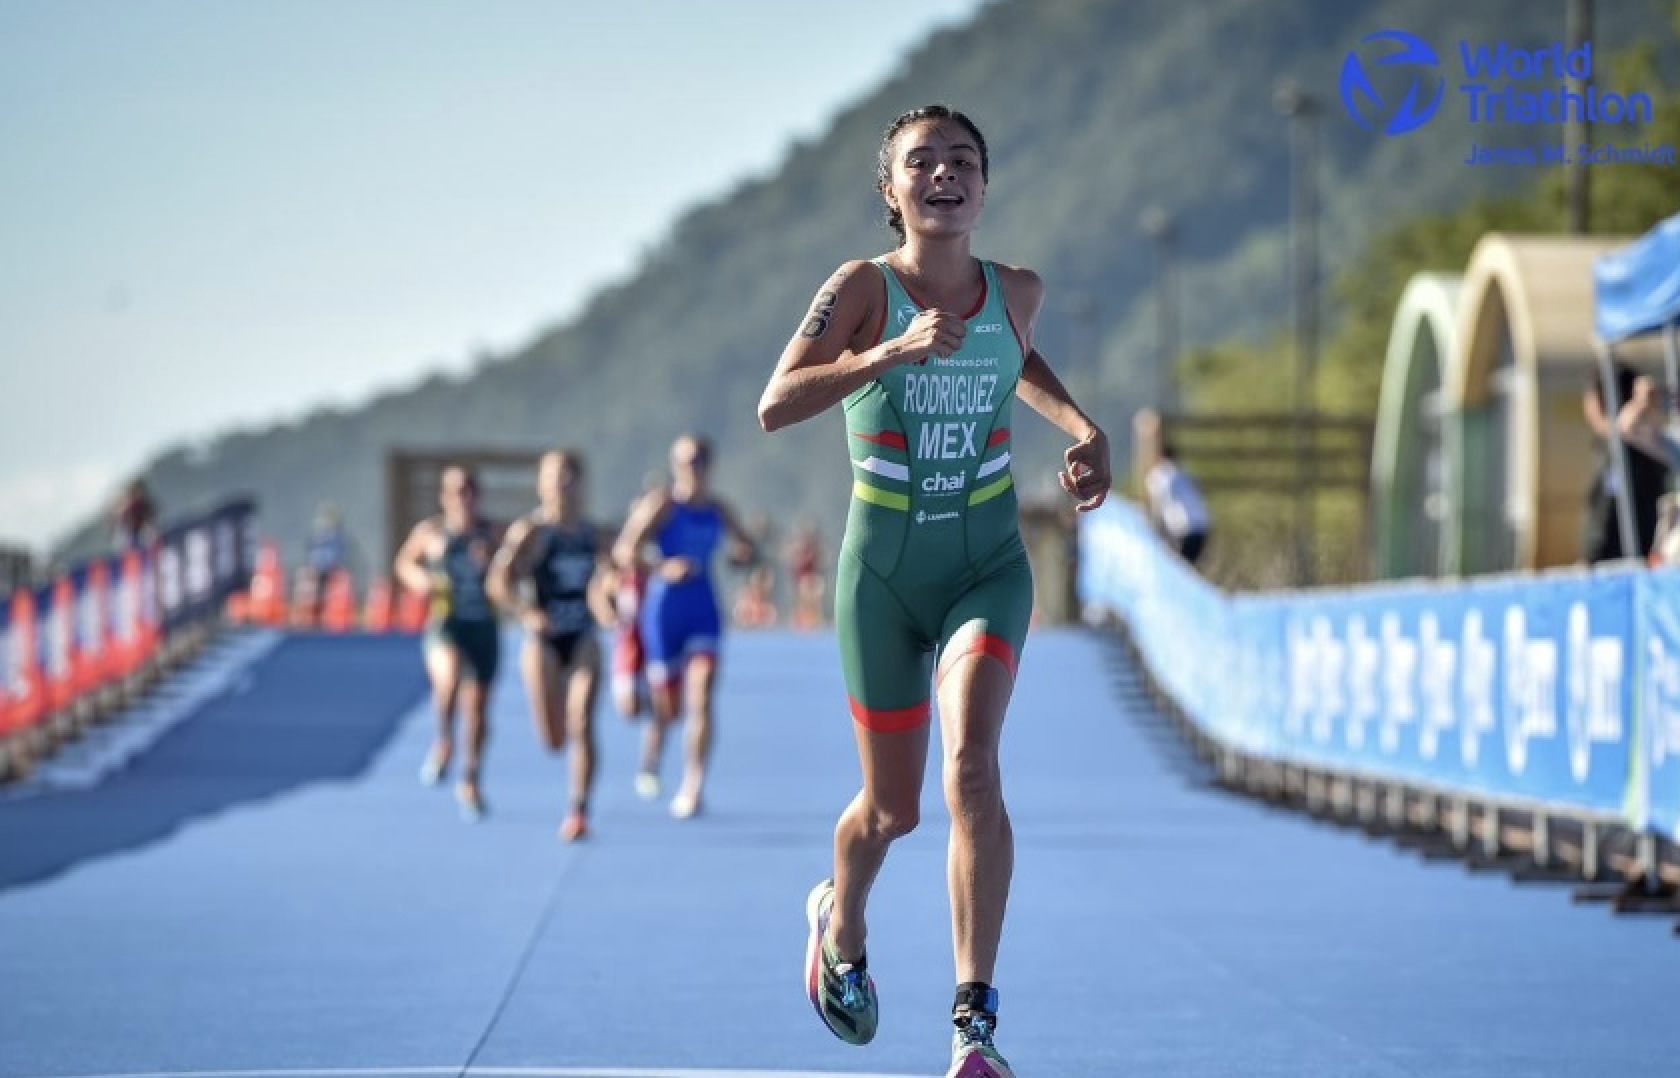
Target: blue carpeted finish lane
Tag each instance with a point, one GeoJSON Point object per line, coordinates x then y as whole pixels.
{"type": "Point", "coordinates": [345, 924]}
{"type": "Point", "coordinates": [317, 708]}
{"type": "Point", "coordinates": [1157, 928]}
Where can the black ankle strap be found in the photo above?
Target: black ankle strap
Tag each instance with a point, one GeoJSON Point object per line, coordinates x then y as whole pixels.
{"type": "Point", "coordinates": [974, 997]}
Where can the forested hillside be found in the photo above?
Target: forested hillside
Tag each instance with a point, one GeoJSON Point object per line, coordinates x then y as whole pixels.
{"type": "Point", "coordinates": [1095, 110]}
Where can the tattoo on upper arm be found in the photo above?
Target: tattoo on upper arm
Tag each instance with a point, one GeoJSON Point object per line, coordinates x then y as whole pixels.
{"type": "Point", "coordinates": [822, 312]}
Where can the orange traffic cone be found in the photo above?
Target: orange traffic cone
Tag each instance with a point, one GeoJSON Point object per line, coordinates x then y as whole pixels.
{"type": "Point", "coordinates": [411, 611]}
{"type": "Point", "coordinates": [381, 606]}
{"type": "Point", "coordinates": [267, 601]}
{"type": "Point", "coordinates": [305, 596]}
{"type": "Point", "coordinates": [338, 608]}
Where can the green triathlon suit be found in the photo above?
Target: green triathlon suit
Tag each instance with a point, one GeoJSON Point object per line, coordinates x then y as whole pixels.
{"type": "Point", "coordinates": [932, 564]}
{"type": "Point", "coordinates": [461, 615]}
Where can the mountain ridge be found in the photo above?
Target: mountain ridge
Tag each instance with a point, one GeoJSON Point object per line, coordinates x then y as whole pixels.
{"type": "Point", "coordinates": [1095, 110]}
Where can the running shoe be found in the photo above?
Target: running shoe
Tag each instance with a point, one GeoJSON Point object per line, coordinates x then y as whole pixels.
{"type": "Point", "coordinates": [685, 806]}
{"type": "Point", "coordinates": [843, 993]}
{"type": "Point", "coordinates": [575, 829]}
{"type": "Point", "coordinates": [647, 786]}
{"type": "Point", "coordinates": [972, 1053]}
{"type": "Point", "coordinates": [435, 767]}
{"type": "Point", "coordinates": [471, 802]}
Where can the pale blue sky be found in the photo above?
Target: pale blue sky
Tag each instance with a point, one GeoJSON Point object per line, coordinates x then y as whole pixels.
{"type": "Point", "coordinates": [221, 211]}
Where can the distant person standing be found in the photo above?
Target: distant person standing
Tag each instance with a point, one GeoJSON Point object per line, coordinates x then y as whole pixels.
{"type": "Point", "coordinates": [1647, 420]}
{"type": "Point", "coordinates": [755, 603]}
{"type": "Point", "coordinates": [134, 520]}
{"type": "Point", "coordinates": [627, 585]}
{"type": "Point", "coordinates": [1646, 473]}
{"type": "Point", "coordinates": [327, 552]}
{"type": "Point", "coordinates": [1176, 506]}
{"type": "Point", "coordinates": [447, 559]}
{"type": "Point", "coordinates": [805, 573]}
{"type": "Point", "coordinates": [329, 541]}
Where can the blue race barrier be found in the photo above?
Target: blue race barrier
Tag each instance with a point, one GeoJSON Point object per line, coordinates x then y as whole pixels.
{"type": "Point", "coordinates": [1657, 763]}
{"type": "Point", "coordinates": [1522, 690]}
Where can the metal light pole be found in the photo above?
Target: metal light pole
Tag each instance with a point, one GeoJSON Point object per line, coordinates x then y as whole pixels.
{"type": "Point", "coordinates": [1303, 110]}
{"type": "Point", "coordinates": [1160, 226]}
{"type": "Point", "coordinates": [1082, 310]}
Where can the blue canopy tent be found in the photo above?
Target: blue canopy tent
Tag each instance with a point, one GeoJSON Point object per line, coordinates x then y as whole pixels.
{"type": "Point", "coordinates": [1638, 287]}
{"type": "Point", "coordinates": [1637, 293]}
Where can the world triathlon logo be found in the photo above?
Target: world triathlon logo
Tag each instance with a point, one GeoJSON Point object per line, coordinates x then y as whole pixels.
{"type": "Point", "coordinates": [1366, 105]}
{"type": "Point", "coordinates": [1395, 83]}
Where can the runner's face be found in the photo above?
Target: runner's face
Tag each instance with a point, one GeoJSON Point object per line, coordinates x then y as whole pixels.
{"type": "Point", "coordinates": [690, 463]}
{"type": "Point", "coordinates": [557, 478]}
{"type": "Point", "coordinates": [936, 183]}
{"type": "Point", "coordinates": [459, 495]}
